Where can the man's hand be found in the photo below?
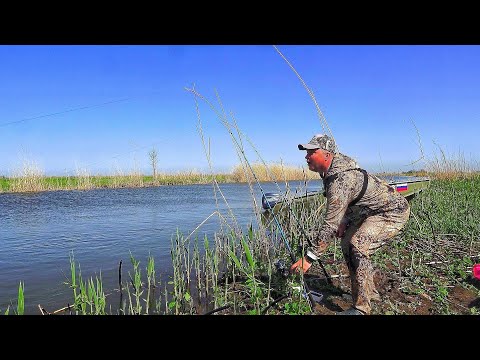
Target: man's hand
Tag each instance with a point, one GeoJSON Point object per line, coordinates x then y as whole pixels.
{"type": "Point", "coordinates": [301, 265]}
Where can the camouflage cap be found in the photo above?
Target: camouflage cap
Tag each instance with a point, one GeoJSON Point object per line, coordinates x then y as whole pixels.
{"type": "Point", "coordinates": [319, 141]}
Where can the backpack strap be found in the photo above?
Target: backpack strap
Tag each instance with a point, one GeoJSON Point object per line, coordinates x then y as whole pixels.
{"type": "Point", "coordinates": [364, 187]}
{"type": "Point", "coordinates": [329, 179]}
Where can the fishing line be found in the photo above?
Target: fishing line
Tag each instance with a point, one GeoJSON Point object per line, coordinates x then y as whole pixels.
{"type": "Point", "coordinates": [329, 280]}
{"type": "Point", "coordinates": [79, 108]}
{"type": "Point", "coordinates": [325, 129]}
{"type": "Point", "coordinates": [323, 121]}
{"type": "Point", "coordinates": [287, 245]}
{"type": "Point", "coordinates": [64, 112]}
{"type": "Point", "coordinates": [84, 108]}
{"type": "Point", "coordinates": [309, 294]}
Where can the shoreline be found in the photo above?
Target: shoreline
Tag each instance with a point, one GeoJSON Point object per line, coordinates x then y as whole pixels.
{"type": "Point", "coordinates": [9, 185]}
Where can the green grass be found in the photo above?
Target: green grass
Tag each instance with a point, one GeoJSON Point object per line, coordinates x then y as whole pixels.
{"type": "Point", "coordinates": [4, 184]}
{"type": "Point", "coordinates": [264, 173]}
{"type": "Point", "coordinates": [52, 183]}
{"type": "Point", "coordinates": [439, 243]}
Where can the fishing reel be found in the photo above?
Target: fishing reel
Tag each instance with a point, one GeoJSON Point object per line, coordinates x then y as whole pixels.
{"type": "Point", "coordinates": [284, 271]}
{"type": "Point", "coordinates": [282, 268]}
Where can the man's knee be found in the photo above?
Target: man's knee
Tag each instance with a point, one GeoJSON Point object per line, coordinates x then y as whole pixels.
{"type": "Point", "coordinates": [354, 256]}
{"type": "Point", "coordinates": [360, 244]}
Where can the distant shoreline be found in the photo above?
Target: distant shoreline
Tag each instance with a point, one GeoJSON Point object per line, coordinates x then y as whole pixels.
{"type": "Point", "coordinates": [38, 183]}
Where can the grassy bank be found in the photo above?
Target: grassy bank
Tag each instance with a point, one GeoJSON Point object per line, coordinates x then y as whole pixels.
{"type": "Point", "coordinates": [33, 181]}
{"type": "Point", "coordinates": [273, 172]}
{"type": "Point", "coordinates": [51, 183]}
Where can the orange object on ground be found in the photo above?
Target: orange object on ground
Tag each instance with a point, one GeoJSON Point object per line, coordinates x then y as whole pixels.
{"type": "Point", "coordinates": [476, 271]}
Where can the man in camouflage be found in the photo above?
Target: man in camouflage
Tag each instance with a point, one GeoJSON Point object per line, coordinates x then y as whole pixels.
{"type": "Point", "coordinates": [361, 209]}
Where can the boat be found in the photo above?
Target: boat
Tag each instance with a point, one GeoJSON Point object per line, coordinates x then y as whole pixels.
{"type": "Point", "coordinates": [408, 186]}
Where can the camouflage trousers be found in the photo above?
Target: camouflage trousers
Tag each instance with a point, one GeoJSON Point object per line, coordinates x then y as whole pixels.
{"type": "Point", "coordinates": [361, 239]}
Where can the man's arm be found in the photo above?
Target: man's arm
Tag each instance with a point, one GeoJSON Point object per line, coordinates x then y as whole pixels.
{"type": "Point", "coordinates": [339, 195]}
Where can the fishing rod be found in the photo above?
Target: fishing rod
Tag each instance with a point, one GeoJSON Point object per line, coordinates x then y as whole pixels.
{"type": "Point", "coordinates": [312, 296]}
{"type": "Point", "coordinates": [308, 294]}
{"type": "Point", "coordinates": [323, 123]}
{"type": "Point", "coordinates": [327, 276]}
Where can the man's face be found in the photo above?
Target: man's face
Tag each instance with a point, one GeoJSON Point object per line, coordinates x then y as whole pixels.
{"type": "Point", "coordinates": [318, 160]}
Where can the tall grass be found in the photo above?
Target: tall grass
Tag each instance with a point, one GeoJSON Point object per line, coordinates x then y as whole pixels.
{"type": "Point", "coordinates": [27, 178]}
{"type": "Point", "coordinates": [88, 295]}
{"type": "Point", "coordinates": [440, 242]}
{"type": "Point", "coordinates": [443, 165]}
{"type": "Point", "coordinates": [83, 179]}
{"type": "Point", "coordinates": [21, 299]}
{"type": "Point", "coordinates": [88, 182]}
{"type": "Point", "coordinates": [34, 181]}
{"type": "Point", "coordinates": [256, 247]}
{"type": "Point", "coordinates": [272, 172]}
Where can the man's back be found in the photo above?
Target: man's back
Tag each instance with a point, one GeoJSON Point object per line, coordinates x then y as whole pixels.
{"type": "Point", "coordinates": [344, 183]}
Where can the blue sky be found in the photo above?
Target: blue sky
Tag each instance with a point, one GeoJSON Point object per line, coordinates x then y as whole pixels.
{"type": "Point", "coordinates": [102, 108]}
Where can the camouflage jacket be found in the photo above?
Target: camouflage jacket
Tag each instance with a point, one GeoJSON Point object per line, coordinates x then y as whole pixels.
{"type": "Point", "coordinates": [343, 183]}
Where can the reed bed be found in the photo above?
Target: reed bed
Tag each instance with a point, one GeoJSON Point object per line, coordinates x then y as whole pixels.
{"type": "Point", "coordinates": [271, 172]}
{"type": "Point", "coordinates": [88, 182]}
{"type": "Point", "coordinates": [27, 178]}
{"type": "Point", "coordinates": [451, 166]}
{"type": "Point", "coordinates": [32, 179]}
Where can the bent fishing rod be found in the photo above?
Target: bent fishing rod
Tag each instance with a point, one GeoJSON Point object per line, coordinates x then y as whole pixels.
{"type": "Point", "coordinates": [308, 293]}
{"type": "Point", "coordinates": [327, 276]}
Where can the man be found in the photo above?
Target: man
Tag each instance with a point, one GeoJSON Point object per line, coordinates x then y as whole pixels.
{"type": "Point", "coordinates": [361, 209]}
